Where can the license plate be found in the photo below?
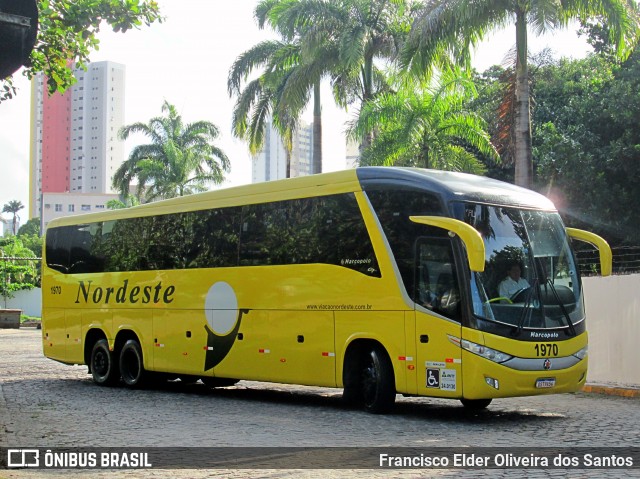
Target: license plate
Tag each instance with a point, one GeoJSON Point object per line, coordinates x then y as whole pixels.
{"type": "Point", "coordinates": [545, 383]}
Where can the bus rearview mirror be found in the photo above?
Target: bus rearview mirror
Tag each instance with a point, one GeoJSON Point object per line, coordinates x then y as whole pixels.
{"type": "Point", "coordinates": [606, 257]}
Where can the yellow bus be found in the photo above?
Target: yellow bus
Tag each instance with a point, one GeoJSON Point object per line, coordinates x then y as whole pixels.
{"type": "Point", "coordinates": [380, 281]}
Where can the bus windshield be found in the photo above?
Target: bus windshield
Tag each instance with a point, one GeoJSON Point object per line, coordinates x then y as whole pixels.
{"type": "Point", "coordinates": [530, 278]}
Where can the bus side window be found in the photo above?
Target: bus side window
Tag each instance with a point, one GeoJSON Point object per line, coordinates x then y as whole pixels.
{"type": "Point", "coordinates": [437, 286]}
{"type": "Point", "coordinates": [81, 258]}
{"type": "Point", "coordinates": [57, 249]}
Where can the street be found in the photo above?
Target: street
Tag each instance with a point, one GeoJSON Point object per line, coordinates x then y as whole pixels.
{"type": "Point", "coordinates": [48, 404]}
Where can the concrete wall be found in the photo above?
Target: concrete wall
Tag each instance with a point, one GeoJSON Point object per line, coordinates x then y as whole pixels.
{"type": "Point", "coordinates": [30, 302]}
{"type": "Point", "coordinates": [613, 322]}
{"type": "Point", "coordinates": [9, 319]}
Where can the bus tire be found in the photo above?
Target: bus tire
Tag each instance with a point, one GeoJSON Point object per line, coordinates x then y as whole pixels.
{"type": "Point", "coordinates": [378, 382]}
{"type": "Point", "coordinates": [474, 405]}
{"type": "Point", "coordinates": [132, 364]}
{"type": "Point", "coordinates": [104, 369]}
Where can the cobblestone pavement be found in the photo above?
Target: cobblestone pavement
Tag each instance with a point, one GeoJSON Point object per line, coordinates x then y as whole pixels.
{"type": "Point", "coordinates": [47, 404]}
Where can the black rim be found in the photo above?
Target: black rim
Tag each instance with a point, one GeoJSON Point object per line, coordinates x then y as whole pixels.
{"type": "Point", "coordinates": [100, 363]}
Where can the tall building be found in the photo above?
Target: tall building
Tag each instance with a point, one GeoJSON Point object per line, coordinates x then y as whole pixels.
{"type": "Point", "coordinates": [56, 205]}
{"type": "Point", "coordinates": [5, 226]}
{"type": "Point", "coordinates": [271, 163]}
{"type": "Point", "coordinates": [74, 136]}
{"type": "Point", "coordinates": [353, 153]}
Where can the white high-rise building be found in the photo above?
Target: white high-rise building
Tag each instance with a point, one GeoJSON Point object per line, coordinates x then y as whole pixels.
{"type": "Point", "coordinates": [271, 163]}
{"type": "Point", "coordinates": [74, 136]}
{"type": "Point", "coordinates": [353, 153]}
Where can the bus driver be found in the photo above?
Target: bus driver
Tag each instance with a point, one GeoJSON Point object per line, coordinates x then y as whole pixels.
{"type": "Point", "coordinates": [514, 282]}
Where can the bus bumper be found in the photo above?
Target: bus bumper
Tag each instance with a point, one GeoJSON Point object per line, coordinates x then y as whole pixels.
{"type": "Point", "coordinates": [484, 379]}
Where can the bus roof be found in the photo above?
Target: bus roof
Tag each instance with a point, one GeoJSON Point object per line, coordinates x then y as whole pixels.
{"type": "Point", "coordinates": [451, 187]}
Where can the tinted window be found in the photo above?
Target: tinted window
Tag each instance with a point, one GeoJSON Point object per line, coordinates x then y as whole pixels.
{"type": "Point", "coordinates": [57, 249]}
{"type": "Point", "coordinates": [312, 230]}
{"type": "Point", "coordinates": [394, 207]}
{"type": "Point", "coordinates": [437, 286]}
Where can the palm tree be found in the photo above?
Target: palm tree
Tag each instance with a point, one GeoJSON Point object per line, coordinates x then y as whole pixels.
{"type": "Point", "coordinates": [303, 79]}
{"type": "Point", "coordinates": [427, 125]}
{"type": "Point", "coordinates": [181, 158]}
{"type": "Point", "coordinates": [287, 82]}
{"type": "Point", "coordinates": [12, 208]}
{"type": "Point", "coordinates": [261, 99]}
{"type": "Point", "coordinates": [342, 39]}
{"type": "Point", "coordinates": [453, 26]}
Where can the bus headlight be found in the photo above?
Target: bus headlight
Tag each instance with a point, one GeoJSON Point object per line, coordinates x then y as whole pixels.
{"type": "Point", "coordinates": [582, 353]}
{"type": "Point", "coordinates": [485, 352]}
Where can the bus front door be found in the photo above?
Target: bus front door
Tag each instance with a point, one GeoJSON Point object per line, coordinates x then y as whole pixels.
{"type": "Point", "coordinates": [437, 319]}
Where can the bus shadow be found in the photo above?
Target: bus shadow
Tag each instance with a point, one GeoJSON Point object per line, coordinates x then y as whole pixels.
{"type": "Point", "coordinates": [453, 411]}
{"type": "Point", "coordinates": [411, 408]}
{"type": "Point", "coordinates": [330, 400]}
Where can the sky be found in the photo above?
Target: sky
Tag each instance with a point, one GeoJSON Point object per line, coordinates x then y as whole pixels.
{"type": "Point", "coordinates": [186, 61]}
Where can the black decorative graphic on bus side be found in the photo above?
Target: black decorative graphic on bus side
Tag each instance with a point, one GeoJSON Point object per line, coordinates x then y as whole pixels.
{"type": "Point", "coordinates": [219, 346]}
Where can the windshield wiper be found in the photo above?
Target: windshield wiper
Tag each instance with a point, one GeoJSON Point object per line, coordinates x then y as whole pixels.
{"type": "Point", "coordinates": [526, 312]}
{"type": "Point", "coordinates": [526, 308]}
{"type": "Point", "coordinates": [572, 329]}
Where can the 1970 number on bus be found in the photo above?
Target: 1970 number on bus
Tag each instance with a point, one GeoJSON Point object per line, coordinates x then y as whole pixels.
{"type": "Point", "coordinates": [546, 349]}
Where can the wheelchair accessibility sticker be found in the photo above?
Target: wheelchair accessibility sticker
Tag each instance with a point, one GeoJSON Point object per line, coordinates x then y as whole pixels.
{"type": "Point", "coordinates": [433, 378]}
{"type": "Point", "coordinates": [444, 379]}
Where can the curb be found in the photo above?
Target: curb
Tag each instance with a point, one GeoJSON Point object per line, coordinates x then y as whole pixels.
{"type": "Point", "coordinates": [627, 392]}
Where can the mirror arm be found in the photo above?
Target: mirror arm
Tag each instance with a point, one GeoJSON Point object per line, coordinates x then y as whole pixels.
{"type": "Point", "coordinates": [467, 233]}
{"type": "Point", "coordinates": [606, 257]}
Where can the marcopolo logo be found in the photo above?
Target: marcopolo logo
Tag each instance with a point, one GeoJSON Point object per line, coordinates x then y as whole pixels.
{"type": "Point", "coordinates": [543, 335]}
{"type": "Point", "coordinates": [157, 293]}
{"type": "Point", "coordinates": [350, 262]}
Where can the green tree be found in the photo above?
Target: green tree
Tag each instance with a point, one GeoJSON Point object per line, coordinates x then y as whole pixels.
{"type": "Point", "coordinates": [453, 26]}
{"type": "Point", "coordinates": [262, 98]}
{"type": "Point", "coordinates": [495, 104]}
{"type": "Point", "coordinates": [17, 267]}
{"type": "Point", "coordinates": [33, 243]}
{"type": "Point", "coordinates": [587, 143]}
{"type": "Point", "coordinates": [29, 234]}
{"type": "Point", "coordinates": [491, 85]}
{"type": "Point", "coordinates": [12, 208]}
{"type": "Point", "coordinates": [181, 158]}
{"type": "Point", "coordinates": [31, 227]}
{"type": "Point", "coordinates": [67, 35]}
{"type": "Point", "coordinates": [427, 125]}
{"type": "Point", "coordinates": [304, 79]}
{"type": "Point", "coordinates": [129, 201]}
{"type": "Point", "coordinates": [343, 40]}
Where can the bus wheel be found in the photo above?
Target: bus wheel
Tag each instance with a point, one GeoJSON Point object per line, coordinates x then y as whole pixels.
{"type": "Point", "coordinates": [474, 405]}
{"type": "Point", "coordinates": [104, 369]}
{"type": "Point", "coordinates": [378, 383]}
{"type": "Point", "coordinates": [131, 364]}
